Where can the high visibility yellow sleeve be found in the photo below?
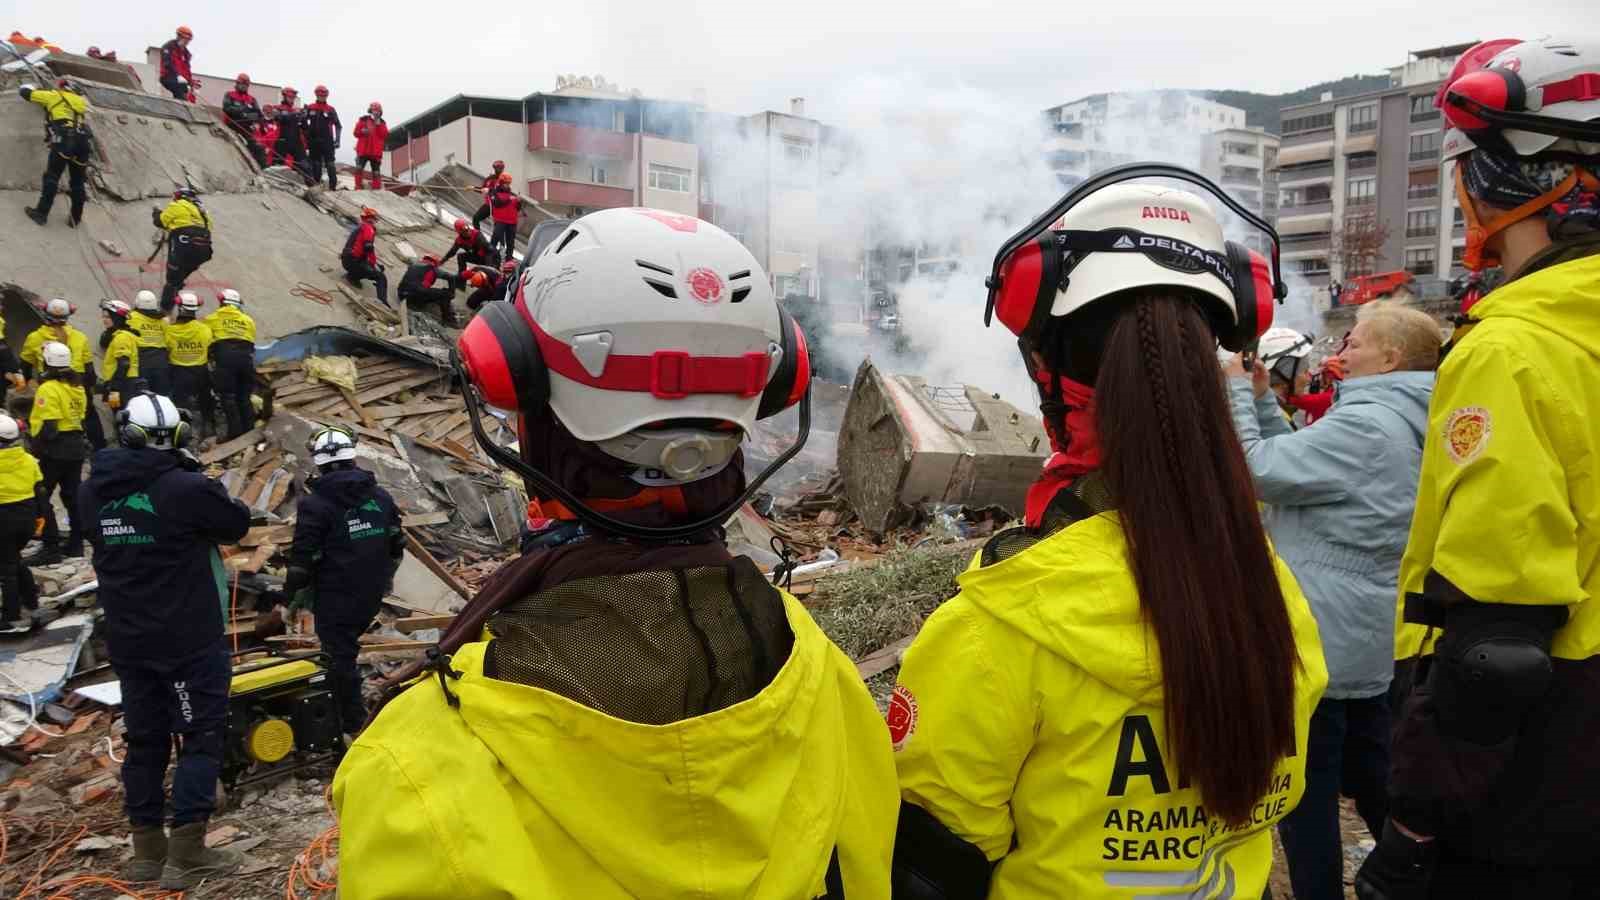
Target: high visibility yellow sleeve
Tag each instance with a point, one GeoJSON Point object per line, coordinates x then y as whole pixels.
{"type": "Point", "coordinates": [31, 347]}
{"type": "Point", "coordinates": [970, 726]}
{"type": "Point", "coordinates": [388, 845]}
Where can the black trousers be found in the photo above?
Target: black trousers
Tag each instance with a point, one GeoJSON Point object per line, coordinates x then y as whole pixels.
{"type": "Point", "coordinates": [491, 261]}
{"type": "Point", "coordinates": [69, 153]}
{"type": "Point", "coordinates": [440, 296]}
{"type": "Point", "coordinates": [256, 153]}
{"type": "Point", "coordinates": [155, 369]}
{"type": "Point", "coordinates": [320, 157]}
{"type": "Point", "coordinates": [1347, 752]}
{"type": "Point", "coordinates": [191, 390]}
{"type": "Point", "coordinates": [361, 270]}
{"type": "Point", "coordinates": [63, 474]}
{"type": "Point", "coordinates": [187, 697]}
{"type": "Point", "coordinates": [505, 239]}
{"type": "Point", "coordinates": [17, 588]}
{"type": "Point", "coordinates": [480, 215]}
{"type": "Point", "coordinates": [342, 641]}
{"type": "Point", "coordinates": [93, 428]}
{"type": "Point", "coordinates": [178, 89]}
{"type": "Point", "coordinates": [185, 254]}
{"type": "Point", "coordinates": [233, 377]}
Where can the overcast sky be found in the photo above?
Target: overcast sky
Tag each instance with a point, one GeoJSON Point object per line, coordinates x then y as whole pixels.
{"type": "Point", "coordinates": [753, 55]}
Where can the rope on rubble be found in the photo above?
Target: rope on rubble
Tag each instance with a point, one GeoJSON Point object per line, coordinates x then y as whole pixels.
{"type": "Point", "coordinates": [314, 294]}
{"type": "Point", "coordinates": [306, 866]}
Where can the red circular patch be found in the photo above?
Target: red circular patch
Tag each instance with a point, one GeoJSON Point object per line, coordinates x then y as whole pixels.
{"type": "Point", "coordinates": [706, 286]}
{"type": "Point", "coordinates": [902, 716]}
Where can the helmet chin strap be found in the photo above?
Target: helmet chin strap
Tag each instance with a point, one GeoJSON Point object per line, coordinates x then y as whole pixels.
{"type": "Point", "coordinates": [548, 486]}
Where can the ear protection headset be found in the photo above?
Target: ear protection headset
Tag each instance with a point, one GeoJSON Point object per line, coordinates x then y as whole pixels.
{"type": "Point", "coordinates": [134, 436]}
{"type": "Point", "coordinates": [1037, 262]}
{"type": "Point", "coordinates": [1486, 101]}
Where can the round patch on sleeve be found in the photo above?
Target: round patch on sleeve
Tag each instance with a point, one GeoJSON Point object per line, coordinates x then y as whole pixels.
{"type": "Point", "coordinates": [1467, 433]}
{"type": "Point", "coordinates": [902, 717]}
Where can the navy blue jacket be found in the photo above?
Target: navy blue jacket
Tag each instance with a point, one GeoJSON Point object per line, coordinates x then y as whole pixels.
{"type": "Point", "coordinates": [155, 527]}
{"type": "Point", "coordinates": [347, 538]}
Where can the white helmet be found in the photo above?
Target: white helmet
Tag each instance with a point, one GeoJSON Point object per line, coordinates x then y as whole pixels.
{"type": "Point", "coordinates": [56, 355]}
{"type": "Point", "coordinates": [188, 303]}
{"type": "Point", "coordinates": [1552, 78]}
{"type": "Point", "coordinates": [1157, 211]}
{"type": "Point", "coordinates": [229, 297]}
{"type": "Point", "coordinates": [10, 432]}
{"type": "Point", "coordinates": [1284, 351]}
{"type": "Point", "coordinates": [152, 421]}
{"type": "Point", "coordinates": [147, 301]}
{"type": "Point", "coordinates": [58, 311]}
{"type": "Point", "coordinates": [116, 308]}
{"type": "Point", "coordinates": [331, 445]}
{"type": "Point", "coordinates": [623, 284]}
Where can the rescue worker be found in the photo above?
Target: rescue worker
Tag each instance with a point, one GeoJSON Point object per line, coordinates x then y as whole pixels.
{"type": "Point", "coordinates": [151, 327]}
{"type": "Point", "coordinates": [421, 286]}
{"type": "Point", "coordinates": [243, 113]}
{"type": "Point", "coordinates": [489, 289]}
{"type": "Point", "coordinates": [155, 522]}
{"type": "Point", "coordinates": [372, 135]}
{"type": "Point", "coordinates": [710, 740]}
{"type": "Point", "coordinates": [347, 546]}
{"type": "Point", "coordinates": [57, 328]}
{"type": "Point", "coordinates": [489, 184]}
{"type": "Point", "coordinates": [188, 351]}
{"type": "Point", "coordinates": [233, 358]}
{"type": "Point", "coordinates": [55, 438]}
{"type": "Point", "coordinates": [11, 377]}
{"type": "Point", "coordinates": [22, 513]}
{"type": "Point", "coordinates": [291, 122]}
{"type": "Point", "coordinates": [1117, 701]}
{"type": "Point", "coordinates": [507, 207]}
{"type": "Point", "coordinates": [360, 255]}
{"type": "Point", "coordinates": [1285, 355]}
{"type": "Point", "coordinates": [1493, 787]}
{"type": "Point", "coordinates": [188, 233]}
{"type": "Point", "coordinates": [265, 135]}
{"type": "Point", "coordinates": [323, 134]}
{"type": "Point", "coordinates": [175, 74]}
{"type": "Point", "coordinates": [121, 360]}
{"type": "Point", "coordinates": [473, 247]}
{"type": "Point", "coordinates": [67, 127]}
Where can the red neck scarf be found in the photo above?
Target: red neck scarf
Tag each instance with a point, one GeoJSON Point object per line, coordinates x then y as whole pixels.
{"type": "Point", "coordinates": [1077, 452]}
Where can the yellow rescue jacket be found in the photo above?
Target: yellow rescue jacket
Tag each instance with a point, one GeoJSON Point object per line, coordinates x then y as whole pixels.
{"type": "Point", "coordinates": [152, 330]}
{"type": "Point", "coordinates": [188, 342]}
{"type": "Point", "coordinates": [33, 346]}
{"type": "Point", "coordinates": [524, 793]}
{"type": "Point", "coordinates": [124, 345]}
{"type": "Point", "coordinates": [56, 399]}
{"type": "Point", "coordinates": [61, 106]}
{"type": "Point", "coordinates": [230, 323]}
{"type": "Point", "coordinates": [1028, 720]}
{"type": "Point", "coordinates": [184, 214]}
{"type": "Point", "coordinates": [19, 474]}
{"type": "Point", "coordinates": [1508, 506]}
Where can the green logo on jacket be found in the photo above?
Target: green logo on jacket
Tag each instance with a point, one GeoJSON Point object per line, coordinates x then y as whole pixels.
{"type": "Point", "coordinates": [132, 501]}
{"type": "Point", "coordinates": [116, 532]}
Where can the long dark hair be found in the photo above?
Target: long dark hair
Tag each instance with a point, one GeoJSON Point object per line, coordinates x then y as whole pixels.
{"type": "Point", "coordinates": [1205, 576]}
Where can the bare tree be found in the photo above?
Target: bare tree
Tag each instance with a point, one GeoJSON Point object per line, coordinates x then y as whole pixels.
{"type": "Point", "coordinates": [1359, 243]}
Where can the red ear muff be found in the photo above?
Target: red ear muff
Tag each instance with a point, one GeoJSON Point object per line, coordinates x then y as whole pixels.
{"type": "Point", "coordinates": [788, 384]}
{"type": "Point", "coordinates": [1252, 298]}
{"type": "Point", "coordinates": [1492, 90]}
{"type": "Point", "coordinates": [1028, 282]}
{"type": "Point", "coordinates": [502, 358]}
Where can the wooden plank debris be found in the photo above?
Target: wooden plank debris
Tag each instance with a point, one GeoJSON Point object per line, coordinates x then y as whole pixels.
{"type": "Point", "coordinates": [223, 451]}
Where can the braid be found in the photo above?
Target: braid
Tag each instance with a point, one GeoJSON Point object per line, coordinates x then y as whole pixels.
{"type": "Point", "coordinates": [1156, 376]}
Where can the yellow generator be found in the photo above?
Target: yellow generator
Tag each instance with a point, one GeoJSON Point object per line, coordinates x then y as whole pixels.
{"type": "Point", "coordinates": [281, 718]}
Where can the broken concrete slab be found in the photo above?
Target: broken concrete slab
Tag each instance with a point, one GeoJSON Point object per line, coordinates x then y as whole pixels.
{"type": "Point", "coordinates": [904, 444]}
{"type": "Point", "coordinates": [396, 214]}
{"type": "Point", "coordinates": [37, 666]}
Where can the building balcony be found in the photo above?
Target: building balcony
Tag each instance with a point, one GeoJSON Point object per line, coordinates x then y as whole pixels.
{"type": "Point", "coordinates": [579, 141]}
{"type": "Point", "coordinates": [1361, 127]}
{"type": "Point", "coordinates": [1294, 174]}
{"type": "Point", "coordinates": [1418, 194]}
{"type": "Point", "coordinates": [1304, 208]}
{"type": "Point", "coordinates": [1414, 233]}
{"type": "Point", "coordinates": [1363, 163]}
{"type": "Point", "coordinates": [577, 193]}
{"type": "Point", "coordinates": [1298, 243]}
{"type": "Point", "coordinates": [1431, 115]}
{"type": "Point", "coordinates": [1424, 159]}
{"type": "Point", "coordinates": [1306, 137]}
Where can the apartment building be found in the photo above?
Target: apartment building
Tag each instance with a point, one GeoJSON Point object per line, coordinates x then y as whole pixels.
{"type": "Point", "coordinates": [1244, 161]}
{"type": "Point", "coordinates": [1349, 164]}
{"type": "Point", "coordinates": [573, 151]}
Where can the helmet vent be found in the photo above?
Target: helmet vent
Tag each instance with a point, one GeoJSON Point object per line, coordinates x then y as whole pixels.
{"type": "Point", "coordinates": [565, 241]}
{"type": "Point", "coordinates": [653, 267]}
{"type": "Point", "coordinates": [739, 294]}
{"type": "Point", "coordinates": [662, 288]}
{"type": "Point", "coordinates": [738, 275]}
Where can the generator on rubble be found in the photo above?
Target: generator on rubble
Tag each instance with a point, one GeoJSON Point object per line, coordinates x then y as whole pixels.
{"type": "Point", "coordinates": [281, 718]}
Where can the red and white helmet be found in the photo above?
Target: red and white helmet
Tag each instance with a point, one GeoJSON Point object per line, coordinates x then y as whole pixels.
{"type": "Point", "coordinates": [648, 324]}
{"type": "Point", "coordinates": [188, 304]}
{"type": "Point", "coordinates": [375, 108]}
{"type": "Point", "coordinates": [57, 311]}
{"type": "Point", "coordinates": [117, 310]}
{"type": "Point", "coordinates": [229, 297]}
{"type": "Point", "coordinates": [1497, 83]}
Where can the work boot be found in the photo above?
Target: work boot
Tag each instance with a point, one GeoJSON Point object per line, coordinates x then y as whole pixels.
{"type": "Point", "coordinates": [72, 549]}
{"type": "Point", "coordinates": [39, 218]}
{"type": "Point", "coordinates": [48, 554]}
{"type": "Point", "coordinates": [190, 861]}
{"type": "Point", "coordinates": [15, 627]}
{"type": "Point", "coordinates": [149, 853]}
{"type": "Point", "coordinates": [72, 221]}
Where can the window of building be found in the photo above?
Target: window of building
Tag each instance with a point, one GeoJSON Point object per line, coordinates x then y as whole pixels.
{"type": "Point", "coordinates": [1422, 223]}
{"type": "Point", "coordinates": [1423, 184]}
{"type": "Point", "coordinates": [597, 174]}
{"type": "Point", "coordinates": [1363, 118]}
{"type": "Point", "coordinates": [560, 168]}
{"type": "Point", "coordinates": [1361, 191]}
{"type": "Point", "coordinates": [1358, 162]}
{"type": "Point", "coordinates": [1456, 253]}
{"type": "Point", "coordinates": [1422, 108]}
{"type": "Point", "coordinates": [1317, 122]}
{"type": "Point", "coordinates": [1425, 146]}
{"type": "Point", "coordinates": [1420, 262]}
{"type": "Point", "coordinates": [1317, 193]}
{"type": "Point", "coordinates": [1289, 197]}
{"type": "Point", "coordinates": [670, 178]}
{"type": "Point", "coordinates": [1315, 265]}
{"type": "Point", "coordinates": [1460, 219]}
{"type": "Point", "coordinates": [796, 151]}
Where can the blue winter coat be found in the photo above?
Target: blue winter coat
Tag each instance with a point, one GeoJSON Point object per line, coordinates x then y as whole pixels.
{"type": "Point", "coordinates": [1339, 498]}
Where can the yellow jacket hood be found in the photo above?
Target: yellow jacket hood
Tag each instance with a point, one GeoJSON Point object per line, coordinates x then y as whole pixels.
{"type": "Point", "coordinates": [1564, 298]}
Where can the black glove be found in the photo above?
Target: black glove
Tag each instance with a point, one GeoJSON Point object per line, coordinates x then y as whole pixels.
{"type": "Point", "coordinates": [1398, 868]}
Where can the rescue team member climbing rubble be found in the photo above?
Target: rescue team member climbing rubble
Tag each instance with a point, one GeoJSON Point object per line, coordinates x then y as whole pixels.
{"type": "Point", "coordinates": [188, 352]}
{"type": "Point", "coordinates": [55, 438]}
{"type": "Point", "coordinates": [487, 289]}
{"type": "Point", "coordinates": [360, 255]}
{"type": "Point", "coordinates": [188, 234]}
{"type": "Point", "coordinates": [710, 740]}
{"type": "Point", "coordinates": [67, 130]}
{"type": "Point", "coordinates": [121, 360]}
{"type": "Point", "coordinates": [1117, 701]}
{"type": "Point", "coordinates": [155, 521]}
{"type": "Point", "coordinates": [56, 313]}
{"type": "Point", "coordinates": [372, 135]}
{"type": "Point", "coordinates": [474, 248]}
{"type": "Point", "coordinates": [323, 134]}
{"type": "Point", "coordinates": [1494, 788]}
{"type": "Point", "coordinates": [488, 186]}
{"type": "Point", "coordinates": [233, 358]}
{"type": "Point", "coordinates": [347, 546]}
{"type": "Point", "coordinates": [151, 327]}
{"type": "Point", "coordinates": [1339, 500]}
{"type": "Point", "coordinates": [22, 511]}
{"type": "Point", "coordinates": [175, 73]}
{"type": "Point", "coordinates": [243, 114]}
